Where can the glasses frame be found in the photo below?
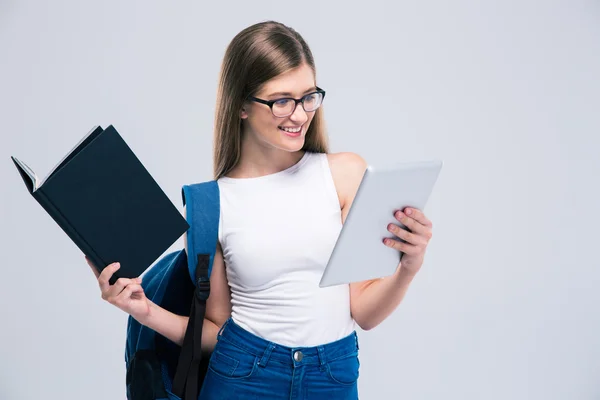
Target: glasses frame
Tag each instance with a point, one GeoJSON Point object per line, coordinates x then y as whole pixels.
{"type": "Point", "coordinates": [296, 101]}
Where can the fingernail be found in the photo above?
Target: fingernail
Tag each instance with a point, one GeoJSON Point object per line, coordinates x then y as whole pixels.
{"type": "Point", "coordinates": [408, 211]}
{"type": "Point", "coordinates": [118, 265]}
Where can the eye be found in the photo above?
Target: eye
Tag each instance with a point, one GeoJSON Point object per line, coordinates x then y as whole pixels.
{"type": "Point", "coordinates": [311, 97]}
{"type": "Point", "coordinates": [281, 102]}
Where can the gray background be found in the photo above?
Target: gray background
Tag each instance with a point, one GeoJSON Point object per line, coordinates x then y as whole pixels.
{"type": "Point", "coordinates": [506, 92]}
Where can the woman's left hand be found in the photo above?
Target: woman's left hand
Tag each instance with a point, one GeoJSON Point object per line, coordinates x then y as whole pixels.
{"type": "Point", "coordinates": [417, 238]}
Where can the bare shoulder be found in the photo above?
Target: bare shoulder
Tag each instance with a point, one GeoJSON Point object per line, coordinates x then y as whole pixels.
{"type": "Point", "coordinates": [347, 170]}
{"type": "Point", "coordinates": [347, 160]}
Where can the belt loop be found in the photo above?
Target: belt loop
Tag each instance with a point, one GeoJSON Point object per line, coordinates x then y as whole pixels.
{"type": "Point", "coordinates": [266, 355]}
{"type": "Point", "coordinates": [321, 353]}
{"type": "Point", "coordinates": [222, 327]}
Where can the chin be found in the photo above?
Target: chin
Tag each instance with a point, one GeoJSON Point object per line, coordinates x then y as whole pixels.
{"type": "Point", "coordinates": [289, 143]}
{"type": "Point", "coordinates": [292, 147]}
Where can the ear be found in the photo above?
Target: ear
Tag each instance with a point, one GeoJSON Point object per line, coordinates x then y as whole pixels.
{"type": "Point", "coordinates": [243, 113]}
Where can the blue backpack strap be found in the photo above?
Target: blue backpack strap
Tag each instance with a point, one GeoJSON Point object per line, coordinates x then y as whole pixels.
{"type": "Point", "coordinates": [202, 213]}
{"type": "Point", "coordinates": [202, 204]}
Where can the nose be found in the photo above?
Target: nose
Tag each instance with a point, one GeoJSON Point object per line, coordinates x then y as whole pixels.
{"type": "Point", "coordinates": [299, 116]}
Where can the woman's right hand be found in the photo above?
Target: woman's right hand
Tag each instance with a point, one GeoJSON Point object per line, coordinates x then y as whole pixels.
{"type": "Point", "coordinates": [126, 294]}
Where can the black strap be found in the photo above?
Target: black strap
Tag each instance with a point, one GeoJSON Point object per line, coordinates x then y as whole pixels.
{"type": "Point", "coordinates": [187, 380]}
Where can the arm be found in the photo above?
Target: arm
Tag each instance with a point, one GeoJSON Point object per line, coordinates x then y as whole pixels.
{"type": "Point", "coordinates": [372, 301]}
{"type": "Point", "coordinates": [375, 300]}
{"type": "Point", "coordinates": [218, 309]}
{"type": "Point", "coordinates": [173, 326]}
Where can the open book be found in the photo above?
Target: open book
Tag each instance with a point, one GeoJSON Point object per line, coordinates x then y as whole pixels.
{"type": "Point", "coordinates": [105, 200]}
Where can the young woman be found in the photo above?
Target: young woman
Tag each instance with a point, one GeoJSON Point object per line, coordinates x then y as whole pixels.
{"type": "Point", "coordinates": [273, 333]}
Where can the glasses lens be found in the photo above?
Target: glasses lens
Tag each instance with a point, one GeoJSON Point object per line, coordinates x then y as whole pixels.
{"type": "Point", "coordinates": [312, 101]}
{"type": "Point", "coordinates": [283, 107]}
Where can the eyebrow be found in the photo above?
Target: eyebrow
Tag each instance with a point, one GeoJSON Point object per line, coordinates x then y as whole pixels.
{"type": "Point", "coordinates": [313, 88]}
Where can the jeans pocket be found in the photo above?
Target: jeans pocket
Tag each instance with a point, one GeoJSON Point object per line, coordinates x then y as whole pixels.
{"type": "Point", "coordinates": [344, 370]}
{"type": "Point", "coordinates": [231, 362]}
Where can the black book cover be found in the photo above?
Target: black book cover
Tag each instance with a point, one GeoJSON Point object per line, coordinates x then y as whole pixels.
{"type": "Point", "coordinates": [103, 197]}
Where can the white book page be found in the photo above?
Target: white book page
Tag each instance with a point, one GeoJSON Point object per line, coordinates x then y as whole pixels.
{"type": "Point", "coordinates": [29, 172]}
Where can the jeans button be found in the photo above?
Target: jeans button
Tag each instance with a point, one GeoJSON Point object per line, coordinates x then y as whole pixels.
{"type": "Point", "coordinates": [298, 356]}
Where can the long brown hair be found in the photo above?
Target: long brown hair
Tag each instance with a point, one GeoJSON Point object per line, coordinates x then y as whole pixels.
{"type": "Point", "coordinates": [255, 55]}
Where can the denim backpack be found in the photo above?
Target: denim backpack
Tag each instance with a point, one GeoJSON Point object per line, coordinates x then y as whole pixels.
{"type": "Point", "coordinates": [157, 368]}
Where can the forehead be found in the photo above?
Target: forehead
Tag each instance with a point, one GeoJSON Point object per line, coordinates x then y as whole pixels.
{"type": "Point", "coordinates": [295, 82]}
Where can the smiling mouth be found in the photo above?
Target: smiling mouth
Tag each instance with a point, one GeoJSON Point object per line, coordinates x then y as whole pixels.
{"type": "Point", "coordinates": [292, 130]}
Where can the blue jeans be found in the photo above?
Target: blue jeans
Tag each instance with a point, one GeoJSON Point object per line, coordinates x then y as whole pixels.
{"type": "Point", "coordinates": [245, 366]}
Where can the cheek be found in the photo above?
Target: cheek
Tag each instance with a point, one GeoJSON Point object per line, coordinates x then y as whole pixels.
{"type": "Point", "coordinates": [262, 122]}
{"type": "Point", "coordinates": [265, 127]}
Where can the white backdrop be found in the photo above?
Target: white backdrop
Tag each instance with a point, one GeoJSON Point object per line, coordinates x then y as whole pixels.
{"type": "Point", "coordinates": [506, 93]}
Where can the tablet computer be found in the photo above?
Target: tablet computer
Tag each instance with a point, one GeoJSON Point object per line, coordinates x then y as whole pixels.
{"type": "Point", "coordinates": [359, 253]}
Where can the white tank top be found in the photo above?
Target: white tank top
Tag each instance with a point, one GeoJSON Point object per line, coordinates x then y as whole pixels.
{"type": "Point", "coordinates": [277, 233]}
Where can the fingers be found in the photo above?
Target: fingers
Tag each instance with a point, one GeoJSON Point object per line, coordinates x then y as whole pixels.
{"type": "Point", "coordinates": [416, 235]}
{"type": "Point", "coordinates": [406, 248]}
{"type": "Point", "coordinates": [417, 224]}
{"type": "Point", "coordinates": [418, 216]}
{"type": "Point", "coordinates": [121, 285]}
{"type": "Point", "coordinates": [108, 290]}
{"type": "Point", "coordinates": [107, 273]}
{"type": "Point", "coordinates": [131, 291]}
{"type": "Point", "coordinates": [409, 237]}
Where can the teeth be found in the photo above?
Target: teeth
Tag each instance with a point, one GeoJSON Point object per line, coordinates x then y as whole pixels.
{"type": "Point", "coordinates": [295, 130]}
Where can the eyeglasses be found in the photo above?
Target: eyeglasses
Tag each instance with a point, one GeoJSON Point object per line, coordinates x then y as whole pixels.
{"type": "Point", "coordinates": [286, 106]}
